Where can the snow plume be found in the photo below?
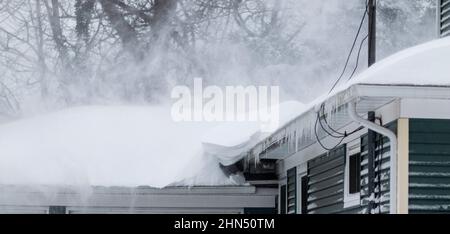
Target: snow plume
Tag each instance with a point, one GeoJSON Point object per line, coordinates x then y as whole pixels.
{"type": "Point", "coordinates": [132, 54]}
{"type": "Point", "coordinates": [105, 146]}
{"type": "Point", "coordinates": [110, 54]}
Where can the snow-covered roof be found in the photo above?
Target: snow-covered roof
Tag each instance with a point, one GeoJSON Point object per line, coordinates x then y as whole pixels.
{"type": "Point", "coordinates": [106, 146]}
{"type": "Point", "coordinates": [132, 146]}
{"type": "Point", "coordinates": [420, 72]}
{"type": "Point", "coordinates": [229, 140]}
{"type": "Point", "coordinates": [423, 65]}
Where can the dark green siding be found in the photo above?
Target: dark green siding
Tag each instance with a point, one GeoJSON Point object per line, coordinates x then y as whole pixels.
{"type": "Point", "coordinates": [444, 15]}
{"type": "Point", "coordinates": [429, 166]}
{"type": "Point", "coordinates": [292, 191]}
{"type": "Point", "coordinates": [326, 179]}
{"type": "Point", "coordinates": [283, 199]}
{"type": "Point", "coordinates": [382, 170]}
{"type": "Point", "coordinates": [57, 210]}
{"type": "Point", "coordinates": [326, 183]}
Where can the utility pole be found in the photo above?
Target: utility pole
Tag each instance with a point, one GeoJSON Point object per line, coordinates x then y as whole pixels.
{"type": "Point", "coordinates": [372, 12]}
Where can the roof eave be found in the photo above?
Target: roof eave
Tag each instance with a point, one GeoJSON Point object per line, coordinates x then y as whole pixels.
{"type": "Point", "coordinates": [398, 91]}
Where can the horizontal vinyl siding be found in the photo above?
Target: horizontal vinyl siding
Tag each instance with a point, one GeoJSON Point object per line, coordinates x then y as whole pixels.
{"type": "Point", "coordinates": [429, 166]}
{"type": "Point", "coordinates": [382, 170]}
{"type": "Point", "coordinates": [445, 17]}
{"type": "Point", "coordinates": [326, 183]}
{"type": "Point", "coordinates": [381, 180]}
{"type": "Point", "coordinates": [326, 175]}
{"type": "Point", "coordinates": [292, 191]}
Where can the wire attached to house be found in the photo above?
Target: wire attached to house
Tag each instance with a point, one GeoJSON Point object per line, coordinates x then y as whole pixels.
{"type": "Point", "coordinates": [319, 120]}
{"type": "Point", "coordinates": [322, 113]}
{"type": "Point", "coordinates": [344, 134]}
{"type": "Point", "coordinates": [318, 139]}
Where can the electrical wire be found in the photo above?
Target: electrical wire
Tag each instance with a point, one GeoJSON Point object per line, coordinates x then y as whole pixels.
{"type": "Point", "coordinates": [352, 48]}
{"type": "Point", "coordinates": [325, 120]}
{"type": "Point", "coordinates": [344, 134]}
{"type": "Point", "coordinates": [357, 58]}
{"type": "Point", "coordinates": [318, 140]}
{"type": "Point", "coordinates": [334, 133]}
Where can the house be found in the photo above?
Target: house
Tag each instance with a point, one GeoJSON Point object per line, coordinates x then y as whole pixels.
{"type": "Point", "coordinates": [137, 200]}
{"type": "Point", "coordinates": [116, 159]}
{"type": "Point", "coordinates": [378, 144]}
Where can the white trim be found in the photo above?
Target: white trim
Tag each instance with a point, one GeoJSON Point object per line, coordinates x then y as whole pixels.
{"type": "Point", "coordinates": [425, 108]}
{"type": "Point", "coordinates": [403, 166]}
{"type": "Point", "coordinates": [398, 91]}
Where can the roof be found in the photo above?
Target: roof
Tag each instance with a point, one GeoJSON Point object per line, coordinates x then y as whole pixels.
{"type": "Point", "coordinates": [229, 140]}
{"type": "Point", "coordinates": [106, 146]}
{"type": "Point", "coordinates": [223, 199]}
{"type": "Point", "coordinates": [422, 65]}
{"type": "Point", "coordinates": [418, 72]}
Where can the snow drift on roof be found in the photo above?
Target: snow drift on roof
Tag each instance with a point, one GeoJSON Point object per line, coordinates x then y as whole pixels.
{"type": "Point", "coordinates": [229, 140]}
{"type": "Point", "coordinates": [422, 65]}
{"type": "Point", "coordinates": [107, 146]}
{"type": "Point", "coordinates": [425, 64]}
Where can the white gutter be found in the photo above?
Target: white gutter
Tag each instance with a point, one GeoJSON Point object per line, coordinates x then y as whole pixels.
{"type": "Point", "coordinates": [393, 152]}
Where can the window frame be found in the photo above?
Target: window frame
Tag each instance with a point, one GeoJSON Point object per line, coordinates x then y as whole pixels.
{"type": "Point", "coordinates": [351, 199]}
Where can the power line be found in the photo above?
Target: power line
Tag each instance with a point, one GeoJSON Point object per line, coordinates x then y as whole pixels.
{"type": "Point", "coordinates": [351, 50]}
{"type": "Point", "coordinates": [341, 136]}
{"type": "Point", "coordinates": [357, 58]}
{"type": "Point", "coordinates": [318, 139]}
{"type": "Point", "coordinates": [334, 133]}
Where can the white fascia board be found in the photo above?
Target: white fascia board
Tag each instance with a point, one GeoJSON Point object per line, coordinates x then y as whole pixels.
{"type": "Point", "coordinates": [205, 197]}
{"type": "Point", "coordinates": [425, 108]}
{"type": "Point", "coordinates": [399, 91]}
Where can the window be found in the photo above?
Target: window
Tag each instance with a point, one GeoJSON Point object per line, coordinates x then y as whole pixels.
{"type": "Point", "coordinates": [304, 194]}
{"type": "Point", "coordinates": [352, 184]}
{"type": "Point", "coordinates": [283, 199]}
{"type": "Point", "coordinates": [354, 173]}
{"type": "Point", "coordinates": [57, 210]}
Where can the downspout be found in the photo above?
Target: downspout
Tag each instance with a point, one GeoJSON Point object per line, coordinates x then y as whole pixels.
{"type": "Point", "coordinates": [393, 152]}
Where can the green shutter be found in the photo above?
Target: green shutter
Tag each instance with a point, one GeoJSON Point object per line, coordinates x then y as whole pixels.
{"type": "Point", "coordinates": [326, 183]}
{"type": "Point", "coordinates": [292, 191]}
